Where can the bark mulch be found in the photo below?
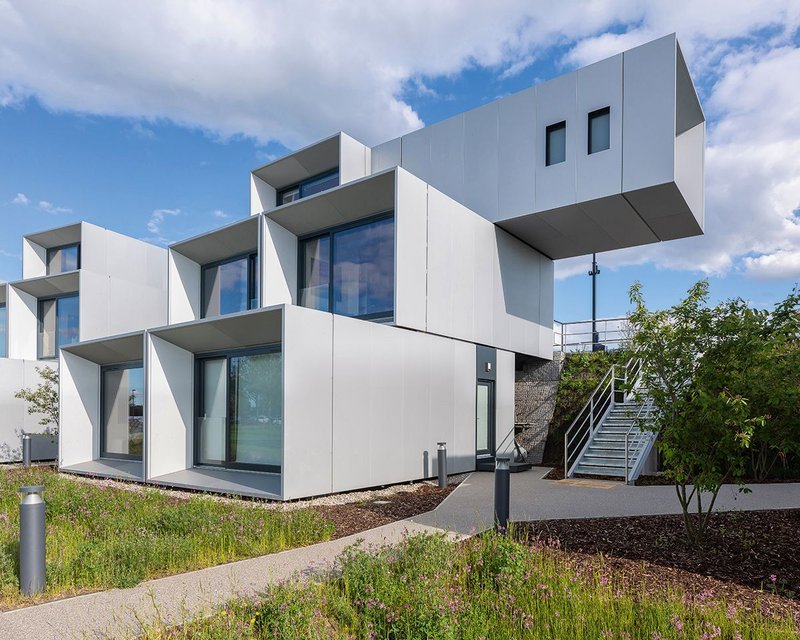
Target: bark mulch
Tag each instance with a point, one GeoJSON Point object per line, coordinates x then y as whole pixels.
{"type": "Point", "coordinates": [360, 516]}
{"type": "Point", "coordinates": [750, 557]}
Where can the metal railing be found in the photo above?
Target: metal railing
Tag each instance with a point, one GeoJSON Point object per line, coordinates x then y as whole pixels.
{"type": "Point", "coordinates": [613, 333]}
{"type": "Point", "coordinates": [618, 381]}
{"type": "Point", "coordinates": [638, 436]}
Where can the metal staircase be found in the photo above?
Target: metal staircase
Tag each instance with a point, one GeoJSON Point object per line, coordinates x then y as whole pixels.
{"type": "Point", "coordinates": [609, 436]}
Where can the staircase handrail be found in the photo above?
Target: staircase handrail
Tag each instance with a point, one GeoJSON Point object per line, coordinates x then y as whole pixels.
{"type": "Point", "coordinates": [641, 436]}
{"type": "Point", "coordinates": [600, 402]}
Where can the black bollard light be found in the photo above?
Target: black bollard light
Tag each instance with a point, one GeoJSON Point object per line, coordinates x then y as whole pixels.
{"type": "Point", "coordinates": [441, 454]}
{"type": "Point", "coordinates": [31, 540]}
{"type": "Point", "coordinates": [502, 493]}
{"type": "Point", "coordinates": [26, 450]}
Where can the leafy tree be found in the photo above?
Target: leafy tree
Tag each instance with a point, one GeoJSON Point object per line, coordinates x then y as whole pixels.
{"type": "Point", "coordinates": [694, 360]}
{"type": "Point", "coordinates": [43, 399]}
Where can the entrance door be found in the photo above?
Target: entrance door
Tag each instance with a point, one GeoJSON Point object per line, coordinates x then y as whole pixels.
{"type": "Point", "coordinates": [484, 419]}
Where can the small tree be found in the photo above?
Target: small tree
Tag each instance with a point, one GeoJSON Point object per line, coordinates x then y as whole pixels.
{"type": "Point", "coordinates": [692, 354]}
{"type": "Point", "coordinates": [43, 399]}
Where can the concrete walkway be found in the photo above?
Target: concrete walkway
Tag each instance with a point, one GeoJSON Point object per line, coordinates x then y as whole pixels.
{"type": "Point", "coordinates": [121, 613]}
{"type": "Point", "coordinates": [470, 507]}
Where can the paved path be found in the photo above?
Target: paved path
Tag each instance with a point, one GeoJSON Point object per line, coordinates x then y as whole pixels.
{"type": "Point", "coordinates": [470, 507]}
{"type": "Point", "coordinates": [121, 613]}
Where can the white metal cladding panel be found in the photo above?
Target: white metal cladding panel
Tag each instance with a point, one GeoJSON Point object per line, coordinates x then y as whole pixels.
{"type": "Point", "coordinates": [546, 277]}
{"type": "Point", "coordinates": [307, 402]}
{"type": "Point", "coordinates": [263, 196]}
{"type": "Point", "coordinates": [170, 407]}
{"type": "Point", "coordinates": [93, 302]}
{"type": "Point", "coordinates": [278, 265]}
{"type": "Point", "coordinates": [184, 288]}
{"type": "Point", "coordinates": [416, 153]}
{"type": "Point", "coordinates": [93, 248]}
{"type": "Point", "coordinates": [79, 410]}
{"type": "Point", "coordinates": [33, 259]}
{"type": "Point", "coordinates": [410, 250]}
{"type": "Point", "coordinates": [386, 155]}
{"type": "Point", "coordinates": [689, 169]}
{"type": "Point", "coordinates": [481, 152]}
{"type": "Point", "coordinates": [447, 157]}
{"type": "Point", "coordinates": [556, 102]}
{"type": "Point", "coordinates": [599, 86]}
{"type": "Point", "coordinates": [352, 159]}
{"type": "Point", "coordinates": [504, 402]}
{"type": "Point", "coordinates": [396, 394]}
{"type": "Point", "coordinates": [517, 154]}
{"type": "Point", "coordinates": [649, 114]}
{"type": "Point", "coordinates": [23, 325]}
{"type": "Point", "coordinates": [14, 417]}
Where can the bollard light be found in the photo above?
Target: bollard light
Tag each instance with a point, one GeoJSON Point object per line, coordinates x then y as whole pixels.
{"type": "Point", "coordinates": [502, 492]}
{"type": "Point", "coordinates": [31, 540]}
{"type": "Point", "coordinates": [441, 454]}
{"type": "Point", "coordinates": [26, 450]}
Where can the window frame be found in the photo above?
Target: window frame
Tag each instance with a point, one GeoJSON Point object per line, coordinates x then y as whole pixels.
{"type": "Point", "coordinates": [279, 193]}
{"type": "Point", "coordinates": [50, 250]}
{"type": "Point", "coordinates": [253, 301]}
{"type": "Point", "coordinates": [605, 111]}
{"type": "Point", "coordinates": [552, 128]}
{"type": "Point", "coordinates": [330, 232]}
{"type": "Point", "coordinates": [199, 358]}
{"type": "Point", "coordinates": [131, 364]}
{"type": "Point", "coordinates": [40, 322]}
{"type": "Point", "coordinates": [4, 341]}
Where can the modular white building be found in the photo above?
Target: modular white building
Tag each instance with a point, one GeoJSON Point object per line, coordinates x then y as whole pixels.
{"type": "Point", "coordinates": [79, 282]}
{"type": "Point", "coordinates": [378, 300]}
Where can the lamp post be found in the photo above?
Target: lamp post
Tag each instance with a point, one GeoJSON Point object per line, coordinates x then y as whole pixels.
{"type": "Point", "coordinates": [593, 273]}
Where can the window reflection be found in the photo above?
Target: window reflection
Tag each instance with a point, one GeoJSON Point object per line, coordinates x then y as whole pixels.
{"type": "Point", "coordinates": [123, 411]}
{"type": "Point", "coordinates": [63, 259]}
{"type": "Point", "coordinates": [230, 286]}
{"type": "Point", "coordinates": [59, 324]}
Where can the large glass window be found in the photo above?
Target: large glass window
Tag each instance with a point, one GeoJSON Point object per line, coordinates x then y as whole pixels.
{"type": "Point", "coordinates": [62, 259]}
{"type": "Point", "coordinates": [230, 286]}
{"type": "Point", "coordinates": [600, 130]}
{"type": "Point", "coordinates": [122, 394]}
{"type": "Point", "coordinates": [3, 331]}
{"type": "Point", "coordinates": [309, 187]}
{"type": "Point", "coordinates": [350, 270]}
{"type": "Point", "coordinates": [556, 143]}
{"type": "Point", "coordinates": [58, 324]}
{"type": "Point", "coordinates": [240, 410]}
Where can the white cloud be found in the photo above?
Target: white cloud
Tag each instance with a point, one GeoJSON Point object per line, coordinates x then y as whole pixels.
{"type": "Point", "coordinates": [781, 264]}
{"type": "Point", "coordinates": [219, 213]}
{"type": "Point", "coordinates": [49, 207]}
{"type": "Point", "coordinates": [21, 198]}
{"type": "Point", "coordinates": [156, 221]}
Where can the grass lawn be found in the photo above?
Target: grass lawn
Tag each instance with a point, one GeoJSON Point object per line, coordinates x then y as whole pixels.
{"type": "Point", "coordinates": [102, 536]}
{"type": "Point", "coordinates": [489, 587]}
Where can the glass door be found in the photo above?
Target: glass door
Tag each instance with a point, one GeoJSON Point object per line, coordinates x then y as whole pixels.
{"type": "Point", "coordinates": [213, 413]}
{"type": "Point", "coordinates": [484, 419]}
{"type": "Point", "coordinates": [122, 398]}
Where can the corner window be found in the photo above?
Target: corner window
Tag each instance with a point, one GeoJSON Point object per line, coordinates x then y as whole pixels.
{"type": "Point", "coordinates": [600, 130]}
{"type": "Point", "coordinates": [63, 259]}
{"type": "Point", "coordinates": [122, 398]}
{"type": "Point", "coordinates": [350, 270]}
{"type": "Point", "coordinates": [556, 143]}
{"type": "Point", "coordinates": [309, 187]}
{"type": "Point", "coordinates": [58, 324]}
{"type": "Point", "coordinates": [230, 285]}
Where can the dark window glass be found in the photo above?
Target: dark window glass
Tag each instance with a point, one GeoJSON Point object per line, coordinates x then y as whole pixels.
{"type": "Point", "coordinates": [363, 270]}
{"type": "Point", "coordinates": [309, 187]}
{"type": "Point", "coordinates": [240, 410]}
{"type": "Point", "coordinates": [63, 259]}
{"type": "Point", "coordinates": [230, 286]}
{"type": "Point", "coordinates": [599, 130]}
{"type": "Point", "coordinates": [556, 145]}
{"type": "Point", "coordinates": [3, 330]}
{"type": "Point", "coordinates": [58, 324]}
{"type": "Point", "coordinates": [123, 411]}
{"type": "Point", "coordinates": [315, 258]}
{"type": "Point", "coordinates": [350, 271]}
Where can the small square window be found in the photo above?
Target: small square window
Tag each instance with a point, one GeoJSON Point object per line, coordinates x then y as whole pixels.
{"type": "Point", "coordinates": [556, 143]}
{"type": "Point", "coordinates": [599, 130]}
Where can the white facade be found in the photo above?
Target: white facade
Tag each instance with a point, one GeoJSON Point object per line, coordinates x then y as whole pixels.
{"type": "Point", "coordinates": [257, 383]}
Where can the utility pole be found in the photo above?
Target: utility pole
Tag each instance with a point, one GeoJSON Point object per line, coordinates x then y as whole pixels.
{"type": "Point", "coordinates": [596, 346]}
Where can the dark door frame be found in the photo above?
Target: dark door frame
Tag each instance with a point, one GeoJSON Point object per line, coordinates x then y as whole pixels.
{"type": "Point", "coordinates": [492, 427]}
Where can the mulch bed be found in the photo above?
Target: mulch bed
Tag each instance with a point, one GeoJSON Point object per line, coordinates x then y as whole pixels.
{"type": "Point", "coordinates": [354, 518]}
{"type": "Point", "coordinates": [750, 557]}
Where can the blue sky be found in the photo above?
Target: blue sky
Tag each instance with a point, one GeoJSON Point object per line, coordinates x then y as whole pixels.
{"type": "Point", "coordinates": [148, 118]}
